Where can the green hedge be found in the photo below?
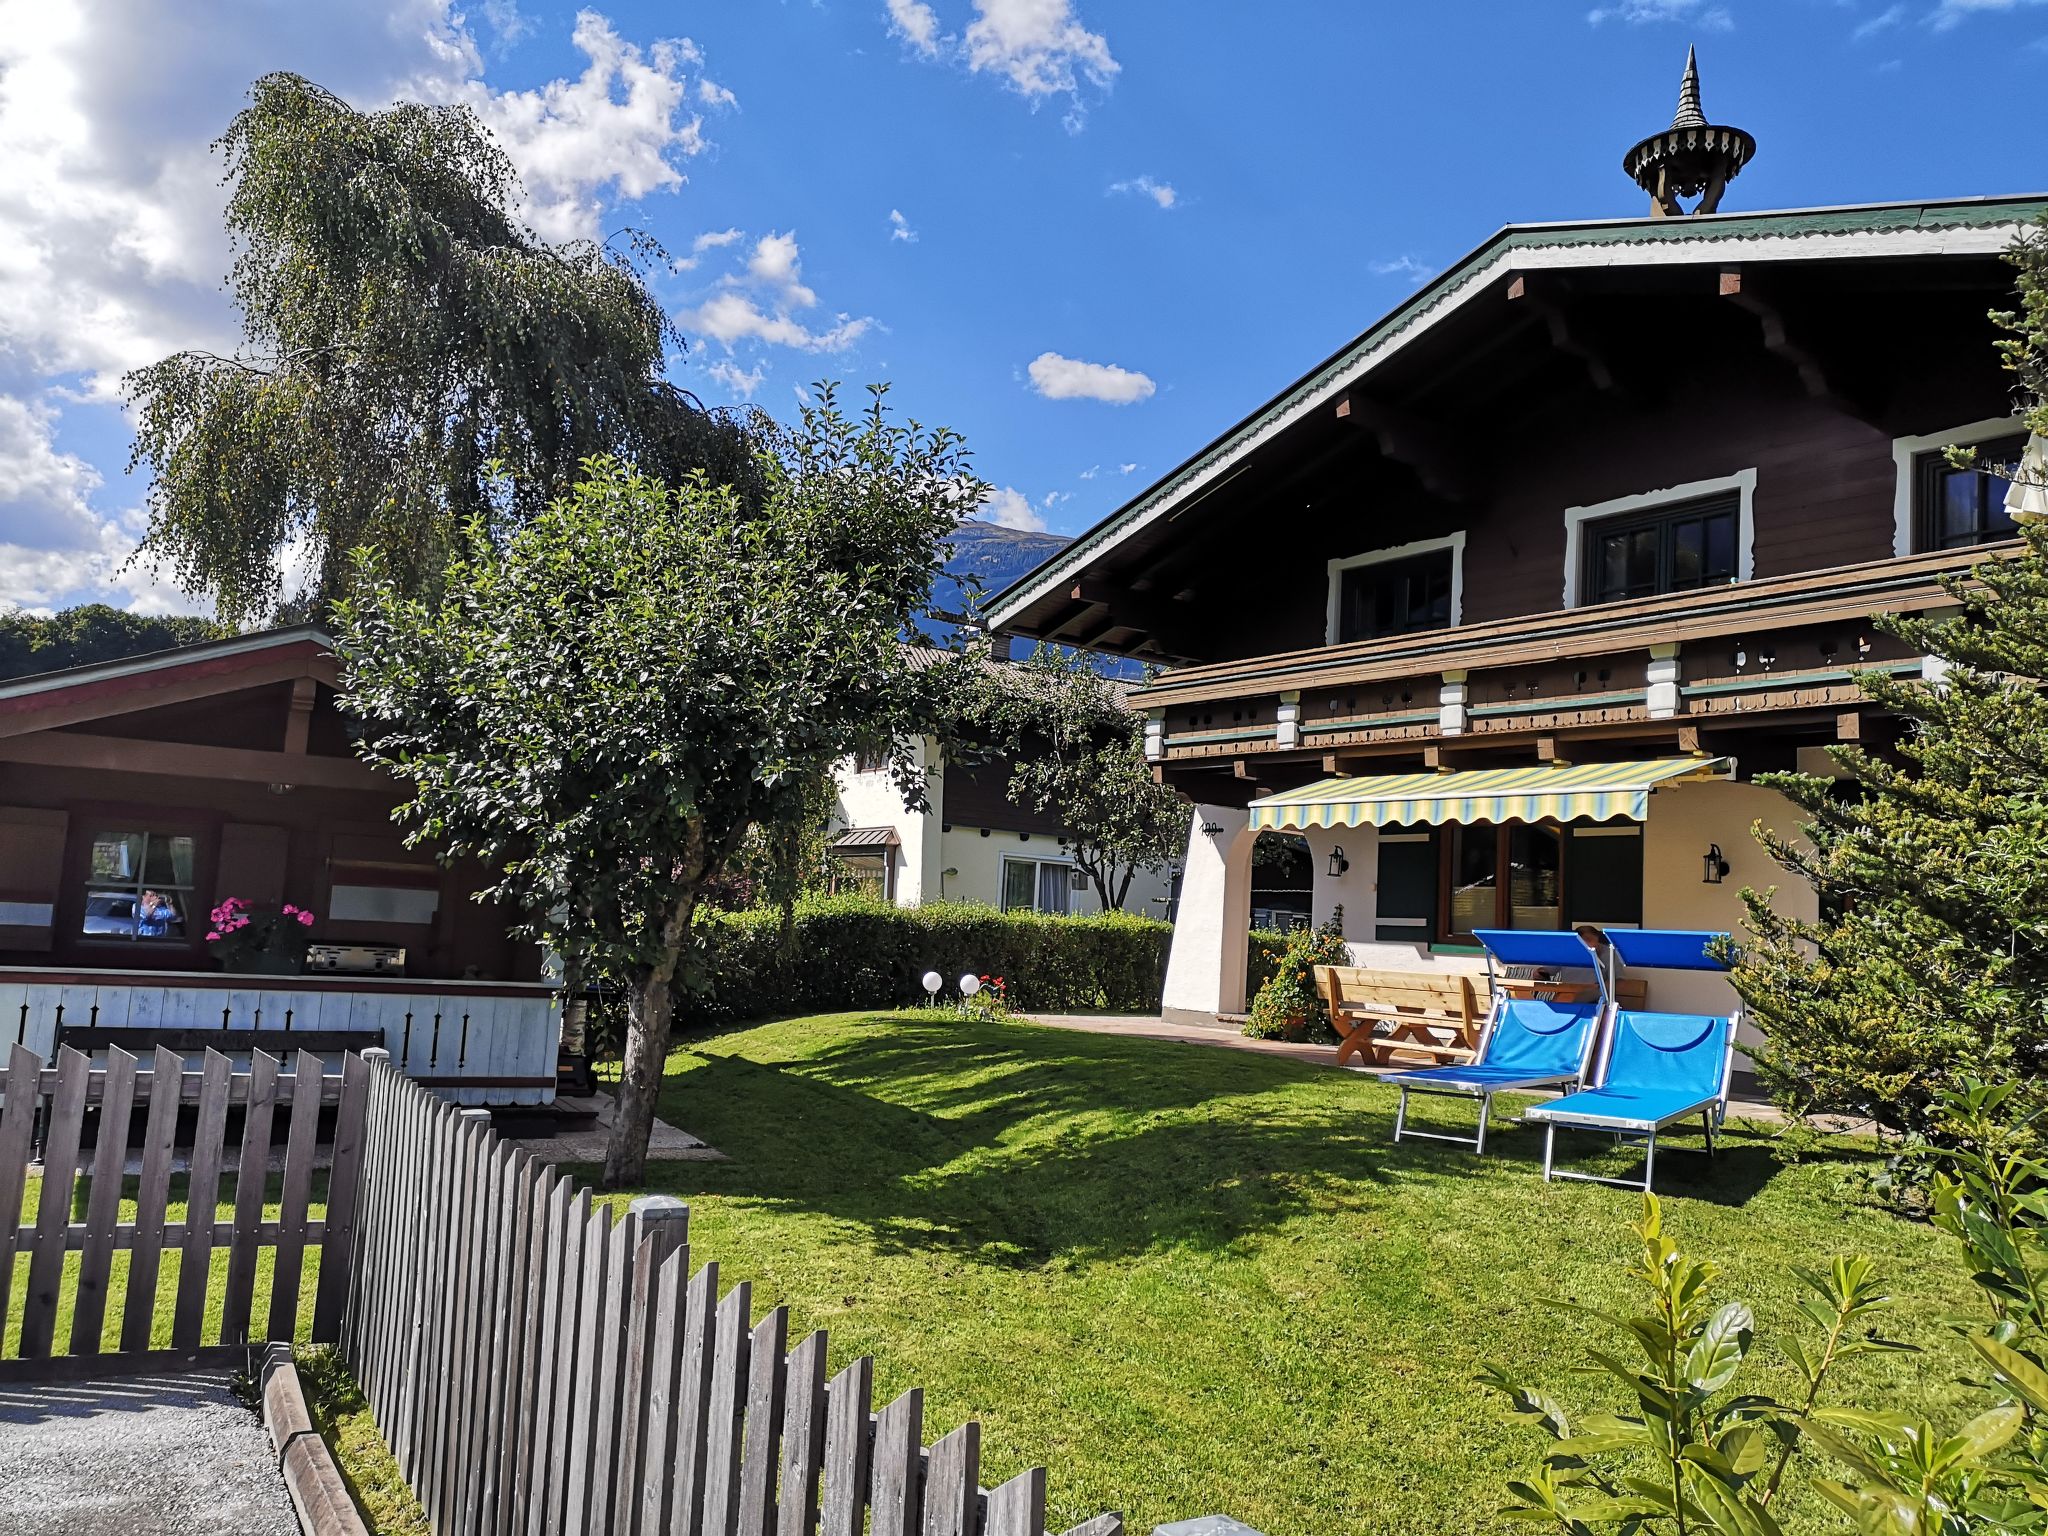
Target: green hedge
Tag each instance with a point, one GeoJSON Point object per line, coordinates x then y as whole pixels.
{"type": "Point", "coordinates": [857, 952]}
{"type": "Point", "coordinates": [1263, 960]}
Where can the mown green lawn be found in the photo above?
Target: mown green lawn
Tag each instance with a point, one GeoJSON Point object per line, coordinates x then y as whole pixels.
{"type": "Point", "coordinates": [1193, 1280]}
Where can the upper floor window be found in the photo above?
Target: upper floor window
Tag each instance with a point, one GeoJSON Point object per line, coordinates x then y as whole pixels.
{"type": "Point", "coordinates": [1395, 591]}
{"type": "Point", "coordinates": [1959, 508]}
{"type": "Point", "coordinates": [1678, 547]}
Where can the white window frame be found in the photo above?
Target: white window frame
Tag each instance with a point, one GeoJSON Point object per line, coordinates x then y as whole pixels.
{"type": "Point", "coordinates": [1455, 543]}
{"type": "Point", "coordinates": [1743, 481]}
{"type": "Point", "coordinates": [1907, 449]}
{"type": "Point", "coordinates": [1003, 879]}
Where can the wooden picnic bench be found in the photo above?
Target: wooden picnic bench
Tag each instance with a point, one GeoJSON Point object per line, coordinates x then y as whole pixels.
{"type": "Point", "coordinates": [1434, 1014]}
{"type": "Point", "coordinates": [1427, 1013]}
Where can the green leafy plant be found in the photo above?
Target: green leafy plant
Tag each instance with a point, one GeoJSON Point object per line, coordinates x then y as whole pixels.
{"type": "Point", "coordinates": [1700, 1453]}
{"type": "Point", "coordinates": [1289, 1003]}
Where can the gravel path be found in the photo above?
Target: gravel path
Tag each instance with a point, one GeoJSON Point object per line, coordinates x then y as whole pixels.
{"type": "Point", "coordinates": [173, 1454]}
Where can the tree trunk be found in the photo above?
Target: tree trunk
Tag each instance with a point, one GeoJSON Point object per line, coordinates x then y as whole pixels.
{"type": "Point", "coordinates": [648, 1012]}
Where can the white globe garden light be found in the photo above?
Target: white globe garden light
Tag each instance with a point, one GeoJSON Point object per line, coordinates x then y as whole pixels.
{"type": "Point", "coordinates": [932, 982]}
{"type": "Point", "coordinates": [969, 985]}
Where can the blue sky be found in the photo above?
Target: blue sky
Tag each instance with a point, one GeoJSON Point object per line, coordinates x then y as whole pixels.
{"type": "Point", "coordinates": [1088, 234]}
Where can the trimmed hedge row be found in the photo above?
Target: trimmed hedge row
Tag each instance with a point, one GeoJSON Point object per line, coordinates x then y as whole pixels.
{"type": "Point", "coordinates": [857, 952]}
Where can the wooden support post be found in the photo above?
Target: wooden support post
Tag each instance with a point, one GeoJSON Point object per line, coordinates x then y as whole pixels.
{"type": "Point", "coordinates": [1849, 725]}
{"type": "Point", "coordinates": [1550, 750]}
{"type": "Point", "coordinates": [1689, 741]}
{"type": "Point", "coordinates": [299, 722]}
{"type": "Point", "coordinates": [1244, 770]}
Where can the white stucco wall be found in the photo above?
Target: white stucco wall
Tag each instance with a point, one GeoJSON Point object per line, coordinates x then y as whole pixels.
{"type": "Point", "coordinates": [1205, 967]}
{"type": "Point", "coordinates": [931, 846]}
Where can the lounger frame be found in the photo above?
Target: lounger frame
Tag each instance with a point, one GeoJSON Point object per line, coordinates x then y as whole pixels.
{"type": "Point", "coordinates": [1712, 1112]}
{"type": "Point", "coordinates": [1484, 1092]}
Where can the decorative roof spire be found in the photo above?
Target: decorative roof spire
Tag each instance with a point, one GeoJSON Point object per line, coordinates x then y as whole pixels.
{"type": "Point", "coordinates": [1689, 114]}
{"type": "Point", "coordinates": [1691, 158]}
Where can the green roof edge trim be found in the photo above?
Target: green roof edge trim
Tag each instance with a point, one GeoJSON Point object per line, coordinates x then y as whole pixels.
{"type": "Point", "coordinates": [1867, 218]}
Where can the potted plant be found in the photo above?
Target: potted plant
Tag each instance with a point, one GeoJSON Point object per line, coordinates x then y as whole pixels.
{"type": "Point", "coordinates": [250, 942]}
{"type": "Point", "coordinates": [1290, 1001]}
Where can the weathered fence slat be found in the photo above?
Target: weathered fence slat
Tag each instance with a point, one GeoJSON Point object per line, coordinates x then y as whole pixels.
{"type": "Point", "coordinates": [636, 1344]}
{"type": "Point", "coordinates": [567, 1365]}
{"type": "Point", "coordinates": [525, 1238]}
{"type": "Point", "coordinates": [664, 1376]}
{"type": "Point", "coordinates": [728, 1402]}
{"type": "Point", "coordinates": [1017, 1508]}
{"type": "Point", "coordinates": [344, 1192]}
{"type": "Point", "coordinates": [202, 1199]}
{"type": "Point", "coordinates": [608, 1367]}
{"type": "Point", "coordinates": [103, 1206]}
{"type": "Point", "coordinates": [693, 1403]}
{"type": "Point", "coordinates": [252, 1172]}
{"type": "Point", "coordinates": [53, 1211]}
{"type": "Point", "coordinates": [762, 1453]}
{"type": "Point", "coordinates": [152, 1198]}
{"type": "Point", "coordinates": [803, 1438]}
{"type": "Point", "coordinates": [898, 1454]}
{"type": "Point", "coordinates": [16, 1126]}
{"type": "Point", "coordinates": [579, 1444]}
{"type": "Point", "coordinates": [1101, 1525]}
{"type": "Point", "coordinates": [849, 1452]}
{"type": "Point", "coordinates": [952, 1490]}
{"type": "Point", "coordinates": [542, 1471]}
{"type": "Point", "coordinates": [300, 1142]}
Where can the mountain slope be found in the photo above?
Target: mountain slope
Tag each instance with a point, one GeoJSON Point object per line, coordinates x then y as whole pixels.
{"type": "Point", "coordinates": [996, 556]}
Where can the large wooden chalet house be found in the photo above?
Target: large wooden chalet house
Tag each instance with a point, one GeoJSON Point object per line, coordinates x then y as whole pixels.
{"type": "Point", "coordinates": [1506, 605]}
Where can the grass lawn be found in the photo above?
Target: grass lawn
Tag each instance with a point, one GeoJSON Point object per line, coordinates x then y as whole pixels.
{"type": "Point", "coordinates": [1193, 1280]}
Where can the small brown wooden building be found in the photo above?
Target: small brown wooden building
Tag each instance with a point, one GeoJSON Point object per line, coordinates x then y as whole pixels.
{"type": "Point", "coordinates": [136, 795]}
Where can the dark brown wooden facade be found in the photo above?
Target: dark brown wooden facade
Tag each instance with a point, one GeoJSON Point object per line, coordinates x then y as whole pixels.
{"type": "Point", "coordinates": [1797, 364]}
{"type": "Point", "coordinates": [238, 753]}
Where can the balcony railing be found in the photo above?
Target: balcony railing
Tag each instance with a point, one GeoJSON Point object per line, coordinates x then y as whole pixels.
{"type": "Point", "coordinates": [1795, 642]}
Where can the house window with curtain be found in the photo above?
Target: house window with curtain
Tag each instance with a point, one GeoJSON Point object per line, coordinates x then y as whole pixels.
{"type": "Point", "coordinates": [1396, 597]}
{"type": "Point", "coordinates": [1037, 885]}
{"type": "Point", "coordinates": [1535, 875]}
{"type": "Point", "coordinates": [1961, 508]}
{"type": "Point", "coordinates": [1676, 548]}
{"type": "Point", "coordinates": [140, 885]}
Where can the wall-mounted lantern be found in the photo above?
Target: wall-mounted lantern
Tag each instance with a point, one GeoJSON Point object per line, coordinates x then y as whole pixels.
{"type": "Point", "coordinates": [1714, 866]}
{"type": "Point", "coordinates": [1338, 863]}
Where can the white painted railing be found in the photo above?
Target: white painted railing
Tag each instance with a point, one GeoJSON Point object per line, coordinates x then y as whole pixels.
{"type": "Point", "coordinates": [479, 1042]}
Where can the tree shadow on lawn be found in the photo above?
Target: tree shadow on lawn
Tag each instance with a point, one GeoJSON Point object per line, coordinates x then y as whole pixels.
{"type": "Point", "coordinates": [1014, 1148]}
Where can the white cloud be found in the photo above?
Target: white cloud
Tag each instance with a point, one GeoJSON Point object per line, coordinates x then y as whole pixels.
{"type": "Point", "coordinates": [1637, 13]}
{"type": "Point", "coordinates": [1883, 21]}
{"type": "Point", "coordinates": [1066, 378]}
{"type": "Point", "coordinates": [1160, 192]}
{"type": "Point", "coordinates": [1010, 508]}
{"type": "Point", "coordinates": [712, 94]}
{"type": "Point", "coordinates": [1402, 266]}
{"type": "Point", "coordinates": [899, 227]}
{"type": "Point", "coordinates": [776, 264]}
{"type": "Point", "coordinates": [1125, 469]}
{"type": "Point", "coordinates": [1039, 48]}
{"type": "Point", "coordinates": [507, 21]}
{"type": "Point", "coordinates": [731, 316]}
{"type": "Point", "coordinates": [1091, 471]}
{"type": "Point", "coordinates": [1052, 499]}
{"type": "Point", "coordinates": [1952, 13]}
{"type": "Point", "coordinates": [738, 381]}
{"type": "Point", "coordinates": [711, 240]}
{"type": "Point", "coordinates": [916, 23]}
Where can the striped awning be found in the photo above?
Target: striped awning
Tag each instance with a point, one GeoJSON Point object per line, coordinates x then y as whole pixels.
{"type": "Point", "coordinates": [1553, 792]}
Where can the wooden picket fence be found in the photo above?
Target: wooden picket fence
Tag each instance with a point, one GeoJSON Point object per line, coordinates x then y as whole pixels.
{"type": "Point", "coordinates": [55, 1100]}
{"type": "Point", "coordinates": [538, 1367]}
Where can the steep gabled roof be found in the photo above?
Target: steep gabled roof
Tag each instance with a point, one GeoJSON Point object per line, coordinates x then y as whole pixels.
{"type": "Point", "coordinates": [105, 688]}
{"type": "Point", "coordinates": [1960, 226]}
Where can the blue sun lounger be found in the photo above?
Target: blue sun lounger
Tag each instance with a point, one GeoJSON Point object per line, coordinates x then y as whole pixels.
{"type": "Point", "coordinates": [1655, 1069]}
{"type": "Point", "coordinates": [1526, 1043]}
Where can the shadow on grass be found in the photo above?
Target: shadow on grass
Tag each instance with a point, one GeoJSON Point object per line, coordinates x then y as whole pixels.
{"type": "Point", "coordinates": [1015, 1145]}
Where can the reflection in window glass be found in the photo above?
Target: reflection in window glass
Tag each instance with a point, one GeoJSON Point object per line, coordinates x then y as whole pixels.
{"type": "Point", "coordinates": [1535, 890]}
{"type": "Point", "coordinates": [1475, 877]}
{"type": "Point", "coordinates": [139, 885]}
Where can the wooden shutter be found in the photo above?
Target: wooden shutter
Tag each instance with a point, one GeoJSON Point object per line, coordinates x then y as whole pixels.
{"type": "Point", "coordinates": [31, 875]}
{"type": "Point", "coordinates": [252, 864]}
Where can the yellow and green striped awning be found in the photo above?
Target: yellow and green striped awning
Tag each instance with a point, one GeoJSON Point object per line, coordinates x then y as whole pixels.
{"type": "Point", "coordinates": [1552, 792]}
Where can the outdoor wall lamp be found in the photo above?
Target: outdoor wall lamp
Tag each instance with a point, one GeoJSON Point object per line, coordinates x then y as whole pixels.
{"type": "Point", "coordinates": [1338, 863]}
{"type": "Point", "coordinates": [1715, 867]}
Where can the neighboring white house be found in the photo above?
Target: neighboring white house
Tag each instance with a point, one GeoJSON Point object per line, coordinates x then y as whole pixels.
{"type": "Point", "coordinates": [972, 844]}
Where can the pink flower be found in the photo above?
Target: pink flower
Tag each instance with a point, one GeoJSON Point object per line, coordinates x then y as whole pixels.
{"type": "Point", "coordinates": [213, 938]}
{"type": "Point", "coordinates": [305, 919]}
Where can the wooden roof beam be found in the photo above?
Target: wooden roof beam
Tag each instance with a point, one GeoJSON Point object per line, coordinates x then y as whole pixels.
{"type": "Point", "coordinates": [1421, 445]}
{"type": "Point", "coordinates": [1546, 299]}
{"type": "Point", "coordinates": [1786, 342]}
